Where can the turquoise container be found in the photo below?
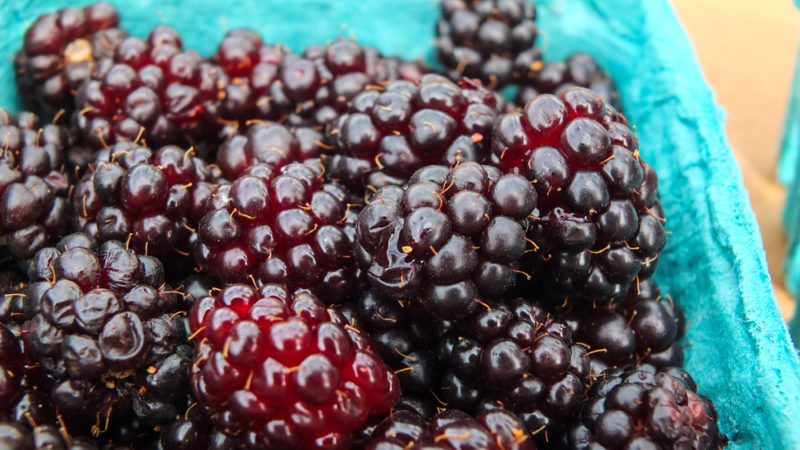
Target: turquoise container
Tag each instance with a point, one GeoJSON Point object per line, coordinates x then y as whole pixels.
{"type": "Point", "coordinates": [737, 345]}
{"type": "Point", "coordinates": [788, 169]}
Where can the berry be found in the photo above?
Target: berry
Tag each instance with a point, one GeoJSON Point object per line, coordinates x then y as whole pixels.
{"type": "Point", "coordinates": [391, 131]}
{"type": "Point", "coordinates": [486, 39]}
{"type": "Point", "coordinates": [104, 329]}
{"type": "Point", "coordinates": [151, 91]}
{"type": "Point", "coordinates": [644, 407]}
{"type": "Point", "coordinates": [267, 143]}
{"type": "Point", "coordinates": [496, 429]}
{"type": "Point", "coordinates": [59, 52]}
{"type": "Point", "coordinates": [34, 190]}
{"type": "Point", "coordinates": [646, 328]}
{"type": "Point", "coordinates": [515, 355]}
{"type": "Point", "coordinates": [579, 70]}
{"type": "Point", "coordinates": [248, 68]}
{"type": "Point", "coordinates": [446, 238]}
{"type": "Point", "coordinates": [280, 226]}
{"type": "Point", "coordinates": [267, 82]}
{"type": "Point", "coordinates": [152, 198]}
{"type": "Point", "coordinates": [600, 226]}
{"type": "Point", "coordinates": [402, 337]}
{"type": "Point", "coordinates": [42, 437]}
{"type": "Point", "coordinates": [280, 370]}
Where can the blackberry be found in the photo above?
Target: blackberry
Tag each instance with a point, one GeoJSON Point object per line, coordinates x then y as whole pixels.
{"type": "Point", "coordinates": [33, 187]}
{"type": "Point", "coordinates": [285, 227]}
{"type": "Point", "coordinates": [390, 131]}
{"type": "Point", "coordinates": [59, 52]}
{"type": "Point", "coordinates": [646, 328]}
{"type": "Point", "coordinates": [515, 355]}
{"type": "Point", "coordinates": [193, 434]}
{"type": "Point", "coordinates": [278, 369]}
{"type": "Point", "coordinates": [600, 226]}
{"type": "Point", "coordinates": [152, 198]}
{"type": "Point", "coordinates": [452, 429]}
{"type": "Point", "coordinates": [267, 82]}
{"type": "Point", "coordinates": [447, 238]}
{"type": "Point", "coordinates": [579, 70]}
{"type": "Point", "coordinates": [316, 88]}
{"type": "Point", "coordinates": [43, 437]}
{"type": "Point", "coordinates": [247, 70]}
{"type": "Point", "coordinates": [486, 39]}
{"type": "Point", "coordinates": [644, 407]}
{"type": "Point", "coordinates": [402, 337]}
{"type": "Point", "coordinates": [151, 91]}
{"type": "Point", "coordinates": [267, 143]}
{"type": "Point", "coordinates": [105, 330]}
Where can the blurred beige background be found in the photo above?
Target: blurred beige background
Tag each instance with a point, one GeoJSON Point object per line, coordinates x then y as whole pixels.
{"type": "Point", "coordinates": [747, 50]}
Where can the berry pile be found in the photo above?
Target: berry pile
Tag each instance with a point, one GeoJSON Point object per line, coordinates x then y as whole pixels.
{"type": "Point", "coordinates": [332, 248]}
{"type": "Point", "coordinates": [391, 131]}
{"type": "Point", "coordinates": [61, 50]}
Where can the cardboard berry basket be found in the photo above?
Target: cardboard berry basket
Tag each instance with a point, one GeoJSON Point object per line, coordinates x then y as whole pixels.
{"type": "Point", "coordinates": [737, 345]}
{"type": "Point", "coordinates": [788, 169]}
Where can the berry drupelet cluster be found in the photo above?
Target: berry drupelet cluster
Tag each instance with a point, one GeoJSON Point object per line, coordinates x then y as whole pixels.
{"type": "Point", "coordinates": [486, 39]}
{"type": "Point", "coordinates": [104, 330]}
{"type": "Point", "coordinates": [448, 237]}
{"type": "Point", "coordinates": [404, 338]}
{"type": "Point", "coordinates": [391, 131]}
{"type": "Point", "coordinates": [267, 143]}
{"type": "Point", "coordinates": [600, 226]}
{"type": "Point", "coordinates": [578, 70]}
{"type": "Point", "coordinates": [495, 429]}
{"type": "Point", "coordinates": [34, 205]}
{"type": "Point", "coordinates": [515, 355]}
{"type": "Point", "coordinates": [151, 90]}
{"type": "Point", "coordinates": [645, 328]}
{"type": "Point", "coordinates": [151, 198]}
{"type": "Point", "coordinates": [279, 370]}
{"type": "Point", "coordinates": [60, 51]}
{"type": "Point", "coordinates": [280, 226]}
{"type": "Point", "coordinates": [643, 407]}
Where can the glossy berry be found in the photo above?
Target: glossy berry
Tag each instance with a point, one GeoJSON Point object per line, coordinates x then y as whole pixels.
{"type": "Point", "coordinates": [152, 198]}
{"type": "Point", "coordinates": [497, 429]}
{"type": "Point", "coordinates": [247, 69]}
{"type": "Point", "coordinates": [486, 39]}
{"type": "Point", "coordinates": [34, 189]}
{"type": "Point", "coordinates": [600, 226]}
{"type": "Point", "coordinates": [280, 226]}
{"type": "Point", "coordinates": [276, 368]}
{"type": "Point", "coordinates": [643, 407]}
{"type": "Point", "coordinates": [447, 238]}
{"type": "Point", "coordinates": [44, 437]}
{"type": "Point", "coordinates": [267, 143]}
{"type": "Point", "coordinates": [104, 329]}
{"type": "Point", "coordinates": [579, 70]}
{"type": "Point", "coordinates": [391, 131]}
{"type": "Point", "coordinates": [517, 356]}
{"type": "Point", "coordinates": [403, 337]}
{"type": "Point", "coordinates": [646, 328]}
{"type": "Point", "coordinates": [59, 52]}
{"type": "Point", "coordinates": [152, 92]}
